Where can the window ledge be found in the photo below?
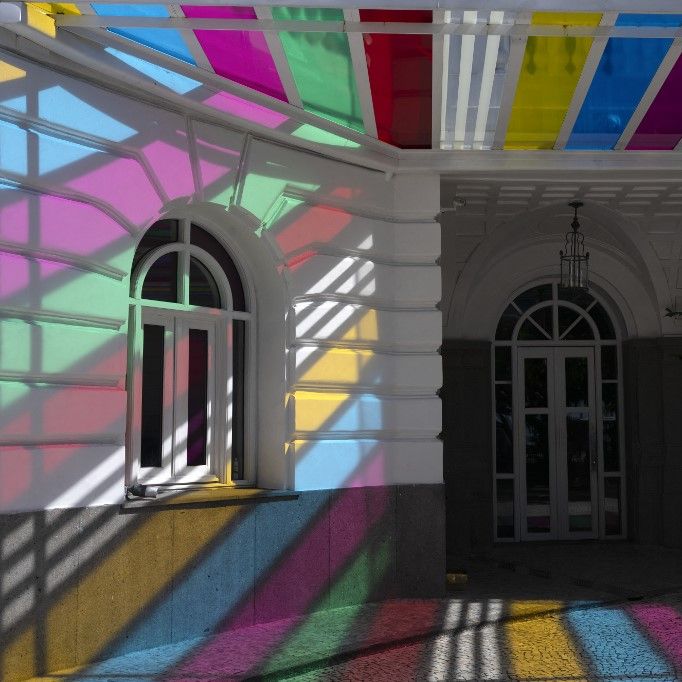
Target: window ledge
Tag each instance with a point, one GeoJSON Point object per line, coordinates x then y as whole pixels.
{"type": "Point", "coordinates": [213, 496]}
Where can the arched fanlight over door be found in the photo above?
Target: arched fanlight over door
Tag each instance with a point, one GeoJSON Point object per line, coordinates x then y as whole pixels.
{"type": "Point", "coordinates": [191, 328]}
{"type": "Point", "coordinates": [558, 458]}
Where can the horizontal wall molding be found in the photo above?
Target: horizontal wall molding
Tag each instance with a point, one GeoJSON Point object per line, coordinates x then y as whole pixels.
{"type": "Point", "coordinates": [61, 318]}
{"type": "Point", "coordinates": [384, 391]}
{"type": "Point", "coordinates": [429, 435]}
{"type": "Point", "coordinates": [358, 209]}
{"type": "Point", "coordinates": [373, 303]}
{"type": "Point", "coordinates": [104, 381]}
{"type": "Point", "coordinates": [63, 441]}
{"type": "Point", "coordinates": [378, 257]}
{"type": "Point", "coordinates": [60, 257]}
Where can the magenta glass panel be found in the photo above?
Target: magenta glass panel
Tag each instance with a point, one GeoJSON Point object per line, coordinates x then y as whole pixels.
{"type": "Point", "coordinates": [197, 397]}
{"type": "Point", "coordinates": [241, 56]}
{"type": "Point", "coordinates": [661, 127]}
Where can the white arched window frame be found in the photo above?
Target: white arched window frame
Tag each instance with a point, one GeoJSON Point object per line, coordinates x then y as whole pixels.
{"type": "Point", "coordinates": [177, 318]}
{"type": "Point", "coordinates": [507, 384]}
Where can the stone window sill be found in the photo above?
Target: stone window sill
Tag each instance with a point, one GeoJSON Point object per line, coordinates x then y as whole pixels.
{"type": "Point", "coordinates": [208, 496]}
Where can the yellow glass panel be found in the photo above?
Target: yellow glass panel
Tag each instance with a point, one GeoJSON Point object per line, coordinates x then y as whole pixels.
{"type": "Point", "coordinates": [549, 75]}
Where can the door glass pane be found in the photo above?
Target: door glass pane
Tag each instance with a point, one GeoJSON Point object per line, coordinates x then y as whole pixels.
{"type": "Point", "coordinates": [576, 382]}
{"type": "Point", "coordinates": [612, 506]}
{"type": "Point", "coordinates": [531, 297]}
{"type": "Point", "coordinates": [578, 471]}
{"type": "Point", "coordinates": [151, 426]}
{"type": "Point", "coordinates": [238, 381]}
{"type": "Point", "coordinates": [504, 448]}
{"type": "Point", "coordinates": [197, 397]}
{"type": "Point", "coordinates": [537, 474]}
{"type": "Point", "coordinates": [203, 289]}
{"type": "Point", "coordinates": [503, 363]}
{"type": "Point", "coordinates": [161, 282]}
{"type": "Point", "coordinates": [609, 362]}
{"type": "Point", "coordinates": [505, 508]}
{"type": "Point", "coordinates": [536, 382]}
{"type": "Point", "coordinates": [610, 438]}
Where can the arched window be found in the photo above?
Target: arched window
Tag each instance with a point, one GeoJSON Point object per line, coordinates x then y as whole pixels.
{"type": "Point", "coordinates": [558, 461]}
{"type": "Point", "coordinates": [190, 321]}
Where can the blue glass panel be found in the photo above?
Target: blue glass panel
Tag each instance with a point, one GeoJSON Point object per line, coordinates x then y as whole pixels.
{"type": "Point", "coordinates": [166, 40]}
{"type": "Point", "coordinates": [623, 75]}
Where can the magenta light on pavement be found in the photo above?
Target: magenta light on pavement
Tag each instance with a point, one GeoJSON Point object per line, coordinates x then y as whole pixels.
{"type": "Point", "coordinates": [661, 127]}
{"type": "Point", "coordinates": [241, 56]}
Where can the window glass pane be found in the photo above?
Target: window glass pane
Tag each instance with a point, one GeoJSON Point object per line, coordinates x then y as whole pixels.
{"type": "Point", "coordinates": [612, 505]}
{"type": "Point", "coordinates": [576, 382]}
{"type": "Point", "coordinates": [151, 427]}
{"type": "Point", "coordinates": [578, 471]}
{"type": "Point", "coordinates": [581, 332]}
{"type": "Point", "coordinates": [531, 297]}
{"type": "Point", "coordinates": [567, 316]}
{"type": "Point", "coordinates": [504, 448]}
{"type": "Point", "coordinates": [576, 296]}
{"type": "Point", "coordinates": [203, 289]}
{"type": "Point", "coordinates": [203, 239]}
{"type": "Point", "coordinates": [238, 382]}
{"type": "Point", "coordinates": [505, 508]}
{"type": "Point", "coordinates": [503, 363]}
{"type": "Point", "coordinates": [197, 397]}
{"type": "Point", "coordinates": [159, 234]}
{"type": "Point", "coordinates": [161, 282]}
{"type": "Point", "coordinates": [603, 322]}
{"type": "Point", "coordinates": [609, 362]}
{"type": "Point", "coordinates": [609, 399]}
{"type": "Point", "coordinates": [544, 318]}
{"type": "Point", "coordinates": [507, 322]}
{"type": "Point", "coordinates": [537, 474]}
{"type": "Point", "coordinates": [535, 374]}
{"type": "Point", "coordinates": [529, 332]}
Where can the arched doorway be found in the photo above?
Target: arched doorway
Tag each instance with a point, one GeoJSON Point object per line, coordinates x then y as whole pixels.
{"type": "Point", "coordinates": [557, 437]}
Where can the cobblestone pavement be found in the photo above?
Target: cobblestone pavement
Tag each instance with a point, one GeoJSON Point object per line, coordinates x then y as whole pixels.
{"type": "Point", "coordinates": [501, 625]}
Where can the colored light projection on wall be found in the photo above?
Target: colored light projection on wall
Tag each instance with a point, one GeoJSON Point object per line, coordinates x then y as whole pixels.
{"type": "Point", "coordinates": [549, 74]}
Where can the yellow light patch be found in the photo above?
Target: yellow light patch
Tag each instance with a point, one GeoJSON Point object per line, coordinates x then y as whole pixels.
{"type": "Point", "coordinates": [318, 410]}
{"type": "Point", "coordinates": [540, 647]}
{"type": "Point", "coordinates": [37, 19]}
{"type": "Point", "coordinates": [9, 72]}
{"type": "Point", "coordinates": [365, 329]}
{"type": "Point", "coordinates": [549, 75]}
{"type": "Point", "coordinates": [338, 366]}
{"type": "Point", "coordinates": [57, 7]}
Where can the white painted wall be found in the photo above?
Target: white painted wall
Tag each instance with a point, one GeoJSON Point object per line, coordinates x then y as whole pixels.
{"type": "Point", "coordinates": [342, 260]}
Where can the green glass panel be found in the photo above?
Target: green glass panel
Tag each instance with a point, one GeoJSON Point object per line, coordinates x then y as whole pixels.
{"type": "Point", "coordinates": [322, 67]}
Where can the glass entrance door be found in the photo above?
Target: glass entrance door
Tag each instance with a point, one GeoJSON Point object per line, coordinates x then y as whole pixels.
{"type": "Point", "coordinates": [556, 443]}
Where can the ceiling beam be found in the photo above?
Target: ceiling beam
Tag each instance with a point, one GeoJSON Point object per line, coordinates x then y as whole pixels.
{"type": "Point", "coordinates": [393, 28]}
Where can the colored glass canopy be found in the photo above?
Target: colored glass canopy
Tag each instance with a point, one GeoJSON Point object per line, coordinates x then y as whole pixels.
{"type": "Point", "coordinates": [421, 78]}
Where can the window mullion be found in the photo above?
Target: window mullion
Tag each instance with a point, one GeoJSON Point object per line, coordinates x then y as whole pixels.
{"type": "Point", "coordinates": [183, 264]}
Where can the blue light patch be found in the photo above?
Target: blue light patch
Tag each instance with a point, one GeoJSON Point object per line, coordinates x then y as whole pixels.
{"type": "Point", "coordinates": [621, 79]}
{"type": "Point", "coordinates": [58, 105]}
{"type": "Point", "coordinates": [15, 103]}
{"type": "Point", "coordinates": [166, 40]}
{"type": "Point", "coordinates": [169, 79]}
{"type": "Point", "coordinates": [604, 631]}
{"type": "Point", "coordinates": [54, 154]}
{"type": "Point", "coordinates": [13, 149]}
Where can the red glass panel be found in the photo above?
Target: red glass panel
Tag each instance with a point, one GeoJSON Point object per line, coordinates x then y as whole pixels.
{"type": "Point", "coordinates": [400, 79]}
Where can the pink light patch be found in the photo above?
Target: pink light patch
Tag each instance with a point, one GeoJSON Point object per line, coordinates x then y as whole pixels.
{"type": "Point", "coordinates": [15, 275]}
{"type": "Point", "coordinates": [171, 167]}
{"type": "Point", "coordinates": [241, 56]}
{"type": "Point", "coordinates": [15, 473]}
{"type": "Point", "coordinates": [123, 185]}
{"type": "Point", "coordinates": [373, 473]}
{"type": "Point", "coordinates": [664, 624]}
{"type": "Point", "coordinates": [255, 113]}
{"type": "Point", "coordinates": [14, 218]}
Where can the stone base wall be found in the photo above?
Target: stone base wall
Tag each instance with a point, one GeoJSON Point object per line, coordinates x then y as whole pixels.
{"type": "Point", "coordinates": [81, 585]}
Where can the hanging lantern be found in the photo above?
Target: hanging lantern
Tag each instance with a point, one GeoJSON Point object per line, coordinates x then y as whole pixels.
{"type": "Point", "coordinates": [574, 260]}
